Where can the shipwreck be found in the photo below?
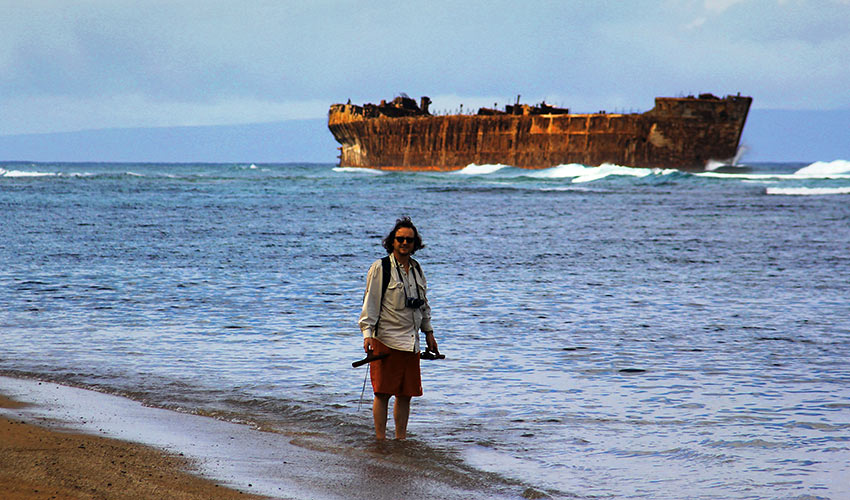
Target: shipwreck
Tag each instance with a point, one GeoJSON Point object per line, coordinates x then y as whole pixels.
{"type": "Point", "coordinates": [679, 132]}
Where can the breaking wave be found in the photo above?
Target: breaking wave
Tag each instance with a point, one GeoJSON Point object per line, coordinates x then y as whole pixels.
{"type": "Point", "coordinates": [359, 170]}
{"type": "Point", "coordinates": [562, 171]}
{"type": "Point", "coordinates": [22, 173]}
{"type": "Point", "coordinates": [815, 179]}
{"type": "Point", "coordinates": [578, 172]}
{"type": "Point", "coordinates": [805, 191]}
{"type": "Point", "coordinates": [825, 169]}
{"type": "Point", "coordinates": [823, 178]}
{"type": "Point", "coordinates": [607, 169]}
{"type": "Point", "coordinates": [473, 169]}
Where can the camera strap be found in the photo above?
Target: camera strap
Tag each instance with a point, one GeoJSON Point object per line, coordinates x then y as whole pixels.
{"type": "Point", "coordinates": [386, 276]}
{"type": "Point", "coordinates": [386, 272]}
{"type": "Point", "coordinates": [413, 266]}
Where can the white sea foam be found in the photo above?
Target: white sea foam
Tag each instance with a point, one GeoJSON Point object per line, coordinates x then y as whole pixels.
{"type": "Point", "coordinates": [21, 173]}
{"type": "Point", "coordinates": [473, 169]}
{"type": "Point", "coordinates": [838, 169]}
{"type": "Point", "coordinates": [606, 169]}
{"type": "Point", "coordinates": [822, 168]}
{"type": "Point", "coordinates": [804, 191]}
{"type": "Point", "coordinates": [714, 165]}
{"type": "Point", "coordinates": [582, 173]}
{"type": "Point", "coordinates": [752, 177]}
{"type": "Point", "coordinates": [359, 170]}
{"type": "Point", "coordinates": [561, 171]}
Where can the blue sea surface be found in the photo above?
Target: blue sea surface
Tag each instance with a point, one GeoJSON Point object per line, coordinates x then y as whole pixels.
{"type": "Point", "coordinates": [610, 332]}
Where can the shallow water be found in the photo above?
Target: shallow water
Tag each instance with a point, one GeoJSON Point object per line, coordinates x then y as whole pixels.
{"type": "Point", "coordinates": [610, 332]}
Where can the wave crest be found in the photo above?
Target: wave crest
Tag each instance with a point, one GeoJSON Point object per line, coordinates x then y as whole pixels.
{"type": "Point", "coordinates": [473, 169]}
{"type": "Point", "coordinates": [806, 191]}
{"type": "Point", "coordinates": [22, 173]}
{"type": "Point", "coordinates": [562, 171]}
{"type": "Point", "coordinates": [822, 168]}
{"type": "Point", "coordinates": [359, 170]}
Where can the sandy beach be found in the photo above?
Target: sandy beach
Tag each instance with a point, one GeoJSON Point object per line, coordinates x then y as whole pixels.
{"type": "Point", "coordinates": [65, 442]}
{"type": "Point", "coordinates": [38, 462]}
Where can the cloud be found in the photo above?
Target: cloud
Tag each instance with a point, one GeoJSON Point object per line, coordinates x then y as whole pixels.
{"type": "Point", "coordinates": [158, 63]}
{"type": "Point", "coordinates": [719, 6]}
{"type": "Point", "coordinates": [696, 23]}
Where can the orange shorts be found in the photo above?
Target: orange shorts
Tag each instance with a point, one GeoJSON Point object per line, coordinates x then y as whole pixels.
{"type": "Point", "coordinates": [397, 374]}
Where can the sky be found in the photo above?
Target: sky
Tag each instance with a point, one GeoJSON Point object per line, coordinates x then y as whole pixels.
{"type": "Point", "coordinates": [97, 64]}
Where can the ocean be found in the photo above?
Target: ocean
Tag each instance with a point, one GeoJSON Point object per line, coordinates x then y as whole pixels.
{"type": "Point", "coordinates": [609, 332]}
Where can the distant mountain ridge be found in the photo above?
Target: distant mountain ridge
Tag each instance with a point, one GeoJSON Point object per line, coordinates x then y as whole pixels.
{"type": "Point", "coordinates": [769, 135]}
{"type": "Point", "coordinates": [279, 142]}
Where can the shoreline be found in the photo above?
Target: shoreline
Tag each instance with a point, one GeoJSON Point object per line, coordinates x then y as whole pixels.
{"type": "Point", "coordinates": [39, 461]}
{"type": "Point", "coordinates": [207, 455]}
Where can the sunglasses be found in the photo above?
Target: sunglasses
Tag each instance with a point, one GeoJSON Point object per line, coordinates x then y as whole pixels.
{"type": "Point", "coordinates": [402, 239]}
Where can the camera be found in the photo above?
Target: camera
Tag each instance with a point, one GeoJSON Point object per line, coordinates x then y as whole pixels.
{"type": "Point", "coordinates": [414, 302]}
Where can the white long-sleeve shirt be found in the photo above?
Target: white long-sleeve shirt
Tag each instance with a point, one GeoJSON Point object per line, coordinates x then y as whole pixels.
{"type": "Point", "coordinates": [399, 326]}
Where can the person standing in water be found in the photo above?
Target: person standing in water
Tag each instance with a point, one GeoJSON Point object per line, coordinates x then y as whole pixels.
{"type": "Point", "coordinates": [393, 314]}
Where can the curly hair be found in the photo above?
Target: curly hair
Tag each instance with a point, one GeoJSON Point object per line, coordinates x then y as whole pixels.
{"type": "Point", "coordinates": [400, 223]}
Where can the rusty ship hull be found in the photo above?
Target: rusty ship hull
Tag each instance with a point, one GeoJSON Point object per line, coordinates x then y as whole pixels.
{"type": "Point", "coordinates": [679, 132]}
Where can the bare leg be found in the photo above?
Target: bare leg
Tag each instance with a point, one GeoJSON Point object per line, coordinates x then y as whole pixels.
{"type": "Point", "coordinates": [401, 412]}
{"type": "Point", "coordinates": [379, 415]}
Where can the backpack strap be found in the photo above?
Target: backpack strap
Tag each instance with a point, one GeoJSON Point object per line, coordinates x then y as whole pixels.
{"type": "Point", "coordinates": [386, 269]}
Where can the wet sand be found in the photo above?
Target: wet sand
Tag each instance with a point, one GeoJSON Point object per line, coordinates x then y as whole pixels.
{"type": "Point", "coordinates": [37, 462]}
{"type": "Point", "coordinates": [68, 443]}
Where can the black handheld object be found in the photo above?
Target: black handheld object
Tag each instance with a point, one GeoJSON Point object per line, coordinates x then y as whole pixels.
{"type": "Point", "coordinates": [429, 354]}
{"type": "Point", "coordinates": [369, 358]}
{"type": "Point", "coordinates": [414, 302]}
